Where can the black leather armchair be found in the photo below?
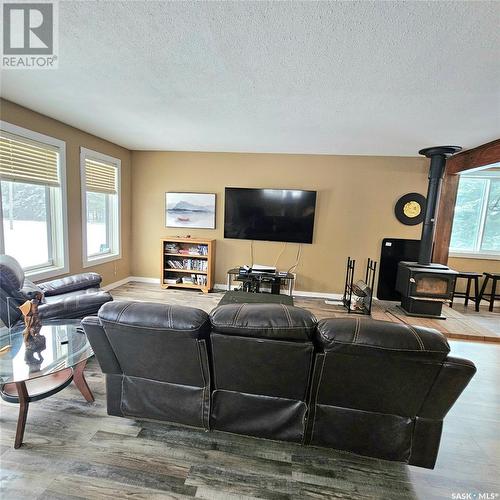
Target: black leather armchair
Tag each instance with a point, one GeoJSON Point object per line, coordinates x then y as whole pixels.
{"type": "Point", "coordinates": [155, 360]}
{"type": "Point", "coordinates": [74, 296]}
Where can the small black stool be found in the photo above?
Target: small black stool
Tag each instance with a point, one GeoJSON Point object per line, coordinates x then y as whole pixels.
{"type": "Point", "coordinates": [470, 277]}
{"type": "Point", "coordinates": [493, 295]}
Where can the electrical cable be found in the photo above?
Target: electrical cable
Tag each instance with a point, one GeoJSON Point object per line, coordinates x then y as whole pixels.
{"type": "Point", "coordinates": [297, 260]}
{"type": "Point", "coordinates": [279, 255]}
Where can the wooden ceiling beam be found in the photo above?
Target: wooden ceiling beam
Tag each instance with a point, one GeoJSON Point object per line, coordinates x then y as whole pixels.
{"type": "Point", "coordinates": [480, 156]}
{"type": "Point", "coordinates": [486, 154]}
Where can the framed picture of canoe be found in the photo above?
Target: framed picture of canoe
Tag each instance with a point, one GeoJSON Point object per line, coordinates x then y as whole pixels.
{"type": "Point", "coordinates": [190, 210]}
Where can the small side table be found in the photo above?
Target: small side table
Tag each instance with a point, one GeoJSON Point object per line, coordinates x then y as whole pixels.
{"type": "Point", "coordinates": [493, 295]}
{"type": "Point", "coordinates": [470, 277]}
{"type": "Point", "coordinates": [252, 281]}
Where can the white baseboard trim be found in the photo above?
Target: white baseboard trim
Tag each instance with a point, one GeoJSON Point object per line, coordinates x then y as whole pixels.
{"type": "Point", "coordinates": [333, 302]}
{"type": "Point", "coordinates": [129, 279]}
{"type": "Point", "coordinates": [296, 293]}
{"type": "Point", "coordinates": [318, 295]}
{"type": "Point", "coordinates": [219, 286]}
{"type": "Point", "coordinates": [144, 279]}
{"type": "Point", "coordinates": [116, 284]}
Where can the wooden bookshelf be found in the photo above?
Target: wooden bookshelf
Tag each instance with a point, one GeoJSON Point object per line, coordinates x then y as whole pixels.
{"type": "Point", "coordinates": [184, 255]}
{"type": "Point", "coordinates": [189, 271]}
{"type": "Point", "coordinates": [198, 264]}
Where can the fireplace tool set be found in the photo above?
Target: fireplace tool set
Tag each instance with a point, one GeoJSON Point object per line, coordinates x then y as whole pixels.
{"type": "Point", "coordinates": [358, 296]}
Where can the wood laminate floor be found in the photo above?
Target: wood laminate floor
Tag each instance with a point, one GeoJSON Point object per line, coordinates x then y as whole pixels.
{"type": "Point", "coordinates": [461, 322]}
{"type": "Point", "coordinates": [73, 449]}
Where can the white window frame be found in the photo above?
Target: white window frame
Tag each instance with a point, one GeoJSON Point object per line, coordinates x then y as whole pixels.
{"type": "Point", "coordinates": [478, 254]}
{"type": "Point", "coordinates": [116, 253]}
{"type": "Point", "coordinates": [58, 219]}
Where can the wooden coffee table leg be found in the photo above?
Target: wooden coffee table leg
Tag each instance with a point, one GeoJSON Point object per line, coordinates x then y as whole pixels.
{"type": "Point", "coordinates": [80, 381]}
{"type": "Point", "coordinates": [23, 413]}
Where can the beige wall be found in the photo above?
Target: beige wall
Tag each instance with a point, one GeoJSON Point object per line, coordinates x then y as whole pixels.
{"type": "Point", "coordinates": [355, 207]}
{"type": "Point", "coordinates": [75, 138]}
{"type": "Point", "coordinates": [477, 265]}
{"type": "Point", "coordinates": [356, 197]}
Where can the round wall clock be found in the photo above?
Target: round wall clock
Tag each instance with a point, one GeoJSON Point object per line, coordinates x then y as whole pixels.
{"type": "Point", "coordinates": [410, 209]}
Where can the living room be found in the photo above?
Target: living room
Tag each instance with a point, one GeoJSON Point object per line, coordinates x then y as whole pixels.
{"type": "Point", "coordinates": [147, 106]}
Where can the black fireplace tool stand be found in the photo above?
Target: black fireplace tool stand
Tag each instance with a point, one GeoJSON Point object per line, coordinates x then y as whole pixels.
{"type": "Point", "coordinates": [362, 291]}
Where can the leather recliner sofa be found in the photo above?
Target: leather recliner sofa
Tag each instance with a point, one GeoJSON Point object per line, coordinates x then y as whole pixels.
{"type": "Point", "coordinates": [370, 387]}
{"type": "Point", "coordinates": [73, 297]}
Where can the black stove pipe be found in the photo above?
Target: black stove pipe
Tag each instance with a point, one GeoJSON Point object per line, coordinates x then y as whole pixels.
{"type": "Point", "coordinates": [438, 156]}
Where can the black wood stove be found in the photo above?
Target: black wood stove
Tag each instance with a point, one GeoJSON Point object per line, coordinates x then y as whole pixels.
{"type": "Point", "coordinates": [424, 286]}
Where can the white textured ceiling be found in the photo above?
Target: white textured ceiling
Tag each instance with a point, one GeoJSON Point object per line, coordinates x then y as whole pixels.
{"type": "Point", "coordinates": [370, 78]}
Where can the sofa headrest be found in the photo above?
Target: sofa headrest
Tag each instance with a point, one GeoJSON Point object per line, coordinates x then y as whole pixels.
{"type": "Point", "coordinates": [12, 274]}
{"type": "Point", "coordinates": [368, 336]}
{"type": "Point", "coordinates": [272, 321]}
{"type": "Point", "coordinates": [152, 316]}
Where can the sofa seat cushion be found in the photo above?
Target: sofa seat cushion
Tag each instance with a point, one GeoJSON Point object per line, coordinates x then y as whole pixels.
{"type": "Point", "coordinates": [74, 305]}
{"type": "Point", "coordinates": [270, 321]}
{"type": "Point", "coordinates": [374, 337]}
{"type": "Point", "coordinates": [71, 283]}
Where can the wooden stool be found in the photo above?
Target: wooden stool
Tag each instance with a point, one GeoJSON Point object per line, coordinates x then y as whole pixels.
{"type": "Point", "coordinates": [493, 295]}
{"type": "Point", "coordinates": [470, 277]}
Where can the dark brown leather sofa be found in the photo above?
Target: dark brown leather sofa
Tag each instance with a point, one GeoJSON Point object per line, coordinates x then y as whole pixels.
{"type": "Point", "coordinates": [375, 388]}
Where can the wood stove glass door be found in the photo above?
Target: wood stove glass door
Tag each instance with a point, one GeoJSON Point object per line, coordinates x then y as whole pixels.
{"type": "Point", "coordinates": [431, 286]}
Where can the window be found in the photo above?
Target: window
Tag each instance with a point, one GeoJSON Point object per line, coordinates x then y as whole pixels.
{"type": "Point", "coordinates": [476, 223]}
{"type": "Point", "coordinates": [100, 207]}
{"type": "Point", "coordinates": [33, 201]}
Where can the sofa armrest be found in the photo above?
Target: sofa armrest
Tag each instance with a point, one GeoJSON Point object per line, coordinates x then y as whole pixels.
{"type": "Point", "coordinates": [100, 345]}
{"type": "Point", "coordinates": [71, 284]}
{"type": "Point", "coordinates": [452, 379]}
{"type": "Point", "coordinates": [73, 305]}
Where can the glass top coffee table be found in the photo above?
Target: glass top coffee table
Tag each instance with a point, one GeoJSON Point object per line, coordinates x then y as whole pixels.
{"type": "Point", "coordinates": [31, 374]}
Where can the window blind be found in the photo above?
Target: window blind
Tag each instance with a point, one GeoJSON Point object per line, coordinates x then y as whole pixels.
{"type": "Point", "coordinates": [100, 177]}
{"type": "Point", "coordinates": [23, 160]}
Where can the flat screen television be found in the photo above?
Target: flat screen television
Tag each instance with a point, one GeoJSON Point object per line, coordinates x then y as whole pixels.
{"type": "Point", "coordinates": [269, 214]}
